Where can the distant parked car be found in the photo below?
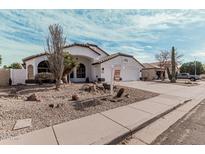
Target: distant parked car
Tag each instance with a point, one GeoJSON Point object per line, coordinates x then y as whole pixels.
{"type": "Point", "coordinates": [188, 76]}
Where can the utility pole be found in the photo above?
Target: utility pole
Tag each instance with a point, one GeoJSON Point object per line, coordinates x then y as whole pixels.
{"type": "Point", "coordinates": [195, 67]}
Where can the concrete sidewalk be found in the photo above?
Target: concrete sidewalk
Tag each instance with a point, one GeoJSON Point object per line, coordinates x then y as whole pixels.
{"type": "Point", "coordinates": [105, 127]}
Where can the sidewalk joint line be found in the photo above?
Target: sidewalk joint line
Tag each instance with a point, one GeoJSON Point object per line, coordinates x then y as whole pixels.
{"type": "Point", "coordinates": [139, 109]}
{"type": "Point", "coordinates": [115, 122]}
{"type": "Point", "coordinates": [55, 135]}
{"type": "Point", "coordinates": [142, 140]}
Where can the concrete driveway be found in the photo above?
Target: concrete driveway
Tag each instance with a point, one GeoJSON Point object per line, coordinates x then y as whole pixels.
{"type": "Point", "coordinates": [168, 89]}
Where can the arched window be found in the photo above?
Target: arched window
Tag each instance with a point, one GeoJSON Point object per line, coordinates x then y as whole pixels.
{"type": "Point", "coordinates": [81, 71]}
{"type": "Point", "coordinates": [43, 66]}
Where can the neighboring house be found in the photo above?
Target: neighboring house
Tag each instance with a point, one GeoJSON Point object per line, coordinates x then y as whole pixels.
{"type": "Point", "coordinates": [153, 71]}
{"type": "Point", "coordinates": [94, 64]}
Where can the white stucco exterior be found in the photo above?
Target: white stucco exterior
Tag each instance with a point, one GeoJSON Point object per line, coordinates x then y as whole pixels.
{"type": "Point", "coordinates": [96, 64]}
{"type": "Point", "coordinates": [129, 68]}
{"type": "Point", "coordinates": [18, 76]}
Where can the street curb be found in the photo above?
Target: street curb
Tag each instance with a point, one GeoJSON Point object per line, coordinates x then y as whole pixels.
{"type": "Point", "coordinates": [143, 125]}
{"type": "Point", "coordinates": [180, 118]}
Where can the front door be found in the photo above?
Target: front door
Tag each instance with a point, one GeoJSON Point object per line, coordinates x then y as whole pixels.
{"type": "Point", "coordinates": [117, 75]}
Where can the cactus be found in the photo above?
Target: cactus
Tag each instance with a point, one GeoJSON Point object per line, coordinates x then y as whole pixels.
{"type": "Point", "coordinates": [173, 62]}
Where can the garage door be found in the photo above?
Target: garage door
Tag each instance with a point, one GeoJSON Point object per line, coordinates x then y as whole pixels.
{"type": "Point", "coordinates": [130, 74]}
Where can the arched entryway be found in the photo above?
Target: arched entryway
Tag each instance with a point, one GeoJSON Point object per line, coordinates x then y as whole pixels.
{"type": "Point", "coordinates": [43, 66]}
{"type": "Point", "coordinates": [81, 71]}
{"type": "Point", "coordinates": [30, 72]}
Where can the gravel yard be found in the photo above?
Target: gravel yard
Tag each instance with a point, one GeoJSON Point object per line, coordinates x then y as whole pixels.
{"type": "Point", "coordinates": [57, 106]}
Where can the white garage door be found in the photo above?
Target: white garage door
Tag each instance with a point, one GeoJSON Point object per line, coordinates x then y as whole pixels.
{"type": "Point", "coordinates": [130, 74]}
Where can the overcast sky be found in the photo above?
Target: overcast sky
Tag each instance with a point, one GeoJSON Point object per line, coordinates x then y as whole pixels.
{"type": "Point", "coordinates": [141, 33]}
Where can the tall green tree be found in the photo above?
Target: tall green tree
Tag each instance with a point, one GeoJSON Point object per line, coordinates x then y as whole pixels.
{"type": "Point", "coordinates": [189, 67]}
{"type": "Point", "coordinates": [13, 66]}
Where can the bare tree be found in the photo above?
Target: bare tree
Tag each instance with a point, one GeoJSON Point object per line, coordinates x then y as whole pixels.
{"type": "Point", "coordinates": [163, 58]}
{"type": "Point", "coordinates": [55, 45]}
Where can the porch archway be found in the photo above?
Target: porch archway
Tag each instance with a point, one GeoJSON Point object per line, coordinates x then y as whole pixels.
{"type": "Point", "coordinates": [43, 66]}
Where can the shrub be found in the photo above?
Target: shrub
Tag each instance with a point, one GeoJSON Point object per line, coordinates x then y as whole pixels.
{"type": "Point", "coordinates": [44, 76]}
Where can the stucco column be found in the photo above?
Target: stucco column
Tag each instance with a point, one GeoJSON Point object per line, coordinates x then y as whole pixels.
{"type": "Point", "coordinates": [74, 73]}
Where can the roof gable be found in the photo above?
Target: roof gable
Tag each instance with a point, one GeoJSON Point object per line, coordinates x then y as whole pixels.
{"type": "Point", "coordinates": [104, 59]}
{"type": "Point", "coordinates": [34, 56]}
{"type": "Point", "coordinates": [92, 47]}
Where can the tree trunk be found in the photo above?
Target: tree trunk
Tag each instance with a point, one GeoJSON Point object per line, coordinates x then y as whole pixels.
{"type": "Point", "coordinates": [169, 74]}
{"type": "Point", "coordinates": [69, 82]}
{"type": "Point", "coordinates": [162, 76]}
{"type": "Point", "coordinates": [65, 75]}
{"type": "Point", "coordinates": [64, 79]}
{"type": "Point", "coordinates": [58, 83]}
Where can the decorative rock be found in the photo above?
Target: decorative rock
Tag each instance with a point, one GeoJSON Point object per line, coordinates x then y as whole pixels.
{"type": "Point", "coordinates": [99, 87]}
{"type": "Point", "coordinates": [51, 105]}
{"type": "Point", "coordinates": [75, 97]}
{"type": "Point", "coordinates": [106, 86]}
{"type": "Point", "coordinates": [116, 100]}
{"type": "Point", "coordinates": [120, 92]}
{"type": "Point", "coordinates": [104, 99]}
{"type": "Point", "coordinates": [55, 105]}
{"type": "Point", "coordinates": [32, 97]}
{"type": "Point", "coordinates": [127, 96]}
{"type": "Point", "coordinates": [113, 100]}
{"type": "Point", "coordinates": [86, 103]}
{"type": "Point", "coordinates": [89, 88]}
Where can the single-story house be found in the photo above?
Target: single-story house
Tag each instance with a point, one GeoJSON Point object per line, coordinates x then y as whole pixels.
{"type": "Point", "coordinates": [94, 64]}
{"type": "Point", "coordinates": [153, 71]}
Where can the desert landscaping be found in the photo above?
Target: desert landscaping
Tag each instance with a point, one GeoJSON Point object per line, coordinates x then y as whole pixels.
{"type": "Point", "coordinates": [43, 106]}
